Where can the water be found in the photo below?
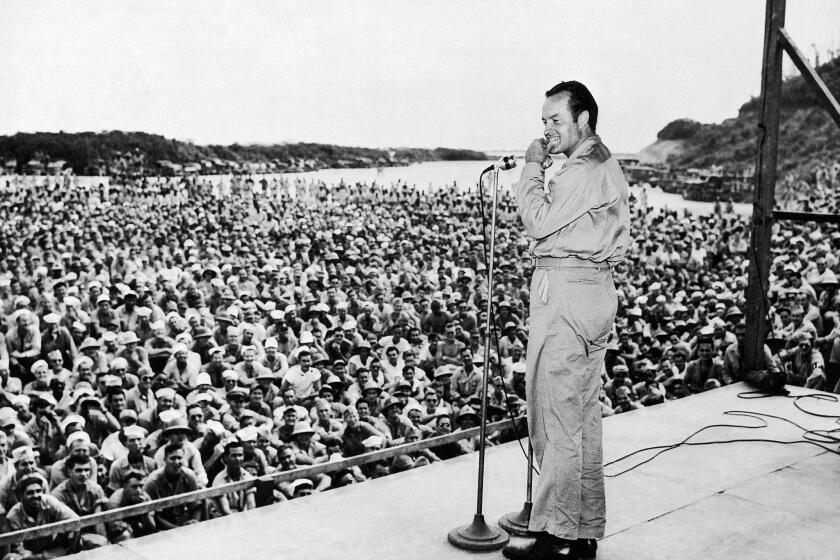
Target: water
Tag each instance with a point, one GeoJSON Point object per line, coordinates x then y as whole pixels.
{"type": "Point", "coordinates": [465, 174]}
{"type": "Point", "coordinates": [434, 174]}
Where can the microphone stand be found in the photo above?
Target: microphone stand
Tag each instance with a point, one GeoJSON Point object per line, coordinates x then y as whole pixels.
{"type": "Point", "coordinates": [516, 523]}
{"type": "Point", "coordinates": [478, 535]}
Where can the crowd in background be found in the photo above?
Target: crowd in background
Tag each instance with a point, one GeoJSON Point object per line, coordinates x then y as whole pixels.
{"type": "Point", "coordinates": [163, 335]}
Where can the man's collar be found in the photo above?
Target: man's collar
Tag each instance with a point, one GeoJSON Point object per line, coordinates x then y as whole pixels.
{"type": "Point", "coordinates": [583, 147]}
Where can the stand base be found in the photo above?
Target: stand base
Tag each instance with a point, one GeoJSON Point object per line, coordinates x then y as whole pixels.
{"type": "Point", "coordinates": [516, 523]}
{"type": "Point", "coordinates": [478, 536]}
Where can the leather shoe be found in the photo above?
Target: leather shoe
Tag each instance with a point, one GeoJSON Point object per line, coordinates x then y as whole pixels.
{"type": "Point", "coordinates": [544, 547]}
{"type": "Point", "coordinates": [585, 549]}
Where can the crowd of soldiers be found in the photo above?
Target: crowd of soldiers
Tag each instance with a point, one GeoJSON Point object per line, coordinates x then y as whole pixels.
{"type": "Point", "coordinates": [164, 335]}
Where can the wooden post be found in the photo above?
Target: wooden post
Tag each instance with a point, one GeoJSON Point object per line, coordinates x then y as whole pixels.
{"type": "Point", "coordinates": [765, 188]}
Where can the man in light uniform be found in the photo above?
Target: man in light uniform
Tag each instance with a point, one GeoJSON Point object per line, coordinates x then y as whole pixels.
{"type": "Point", "coordinates": [580, 230]}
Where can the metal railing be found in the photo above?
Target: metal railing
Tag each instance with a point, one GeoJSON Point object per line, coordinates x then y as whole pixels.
{"type": "Point", "coordinates": [73, 525]}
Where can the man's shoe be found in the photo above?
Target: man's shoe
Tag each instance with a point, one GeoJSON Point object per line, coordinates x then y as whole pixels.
{"type": "Point", "coordinates": [585, 549]}
{"type": "Point", "coordinates": [544, 547]}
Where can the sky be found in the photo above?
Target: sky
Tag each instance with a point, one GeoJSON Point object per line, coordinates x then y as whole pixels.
{"type": "Point", "coordinates": [376, 73]}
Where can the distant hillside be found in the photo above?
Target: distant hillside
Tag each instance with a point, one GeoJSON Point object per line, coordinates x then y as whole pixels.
{"type": "Point", "coordinates": [807, 135]}
{"type": "Point", "coordinates": [140, 152]}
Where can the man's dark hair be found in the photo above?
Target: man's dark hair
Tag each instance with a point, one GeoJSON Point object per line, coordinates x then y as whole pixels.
{"type": "Point", "coordinates": [232, 445]}
{"type": "Point", "coordinates": [133, 473]}
{"type": "Point", "coordinates": [73, 460]}
{"type": "Point", "coordinates": [171, 447]}
{"type": "Point", "coordinates": [580, 100]}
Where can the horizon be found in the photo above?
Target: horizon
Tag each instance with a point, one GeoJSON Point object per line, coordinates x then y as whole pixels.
{"type": "Point", "coordinates": [409, 75]}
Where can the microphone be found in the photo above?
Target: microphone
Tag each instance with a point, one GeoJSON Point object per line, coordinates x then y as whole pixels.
{"type": "Point", "coordinates": [551, 139]}
{"type": "Point", "coordinates": [503, 163]}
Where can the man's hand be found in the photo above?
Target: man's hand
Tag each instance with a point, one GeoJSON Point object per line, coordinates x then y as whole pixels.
{"type": "Point", "coordinates": [536, 152]}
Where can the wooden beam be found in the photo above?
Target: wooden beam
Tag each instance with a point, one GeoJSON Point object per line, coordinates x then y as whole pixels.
{"type": "Point", "coordinates": [274, 478]}
{"type": "Point", "coordinates": [826, 98]}
{"type": "Point", "coordinates": [765, 188]}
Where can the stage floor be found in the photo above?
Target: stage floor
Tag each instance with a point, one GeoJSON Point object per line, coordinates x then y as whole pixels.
{"type": "Point", "coordinates": [745, 500]}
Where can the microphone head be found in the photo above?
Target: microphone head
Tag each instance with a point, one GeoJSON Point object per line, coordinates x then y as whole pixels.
{"type": "Point", "coordinates": [506, 163]}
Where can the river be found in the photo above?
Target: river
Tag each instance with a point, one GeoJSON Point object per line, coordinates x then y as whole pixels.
{"type": "Point", "coordinates": [465, 174]}
{"type": "Point", "coordinates": [433, 174]}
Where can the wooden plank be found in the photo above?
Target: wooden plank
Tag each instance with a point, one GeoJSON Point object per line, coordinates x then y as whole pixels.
{"type": "Point", "coordinates": [806, 216]}
{"type": "Point", "coordinates": [765, 188]}
{"type": "Point", "coordinates": [829, 102]}
{"type": "Point", "coordinates": [274, 478]}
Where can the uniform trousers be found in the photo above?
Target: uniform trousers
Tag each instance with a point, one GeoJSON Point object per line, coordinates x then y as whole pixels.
{"type": "Point", "coordinates": [573, 306]}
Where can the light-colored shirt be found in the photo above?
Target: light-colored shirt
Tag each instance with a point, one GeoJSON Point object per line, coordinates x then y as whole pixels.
{"type": "Point", "coordinates": [584, 214]}
{"type": "Point", "coordinates": [237, 499]}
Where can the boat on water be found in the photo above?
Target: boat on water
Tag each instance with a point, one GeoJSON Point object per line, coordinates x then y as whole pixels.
{"type": "Point", "coordinates": [699, 185]}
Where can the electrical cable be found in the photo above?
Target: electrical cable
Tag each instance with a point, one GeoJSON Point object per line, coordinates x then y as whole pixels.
{"type": "Point", "coordinates": [816, 437]}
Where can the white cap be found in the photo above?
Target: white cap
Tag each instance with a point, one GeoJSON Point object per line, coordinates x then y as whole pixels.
{"type": "Point", "coordinates": [202, 378]}
{"type": "Point", "coordinates": [78, 436]}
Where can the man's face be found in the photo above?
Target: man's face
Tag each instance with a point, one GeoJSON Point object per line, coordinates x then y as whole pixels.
{"type": "Point", "coordinates": [323, 412]}
{"type": "Point", "coordinates": [174, 461]}
{"type": "Point", "coordinates": [133, 488]}
{"type": "Point", "coordinates": [134, 444]}
{"type": "Point", "coordinates": [362, 377]}
{"type": "Point", "coordinates": [235, 457]}
{"type": "Point", "coordinates": [740, 334]}
{"type": "Point", "coordinates": [26, 465]}
{"type": "Point", "coordinates": [431, 401]}
{"type": "Point", "coordinates": [363, 409]}
{"type": "Point", "coordinates": [41, 375]}
{"type": "Point", "coordinates": [56, 362]}
{"type": "Point", "coordinates": [79, 474]}
{"type": "Point", "coordinates": [444, 426]}
{"type": "Point", "coordinates": [704, 351]}
{"type": "Point", "coordinates": [557, 119]}
{"type": "Point", "coordinates": [351, 417]}
{"type": "Point", "coordinates": [117, 403]}
{"type": "Point", "coordinates": [31, 497]}
{"type": "Point", "coordinates": [80, 448]}
{"type": "Point", "coordinates": [165, 402]}
{"type": "Point", "coordinates": [24, 321]}
{"type": "Point", "coordinates": [784, 317]}
{"type": "Point", "coordinates": [287, 459]}
{"type": "Point", "coordinates": [305, 361]}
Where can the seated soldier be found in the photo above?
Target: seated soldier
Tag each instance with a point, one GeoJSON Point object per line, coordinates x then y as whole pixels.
{"type": "Point", "coordinates": [131, 493]}
{"type": "Point", "coordinates": [37, 508]}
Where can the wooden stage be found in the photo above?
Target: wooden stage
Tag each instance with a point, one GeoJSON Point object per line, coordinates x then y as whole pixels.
{"type": "Point", "coordinates": [745, 500]}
